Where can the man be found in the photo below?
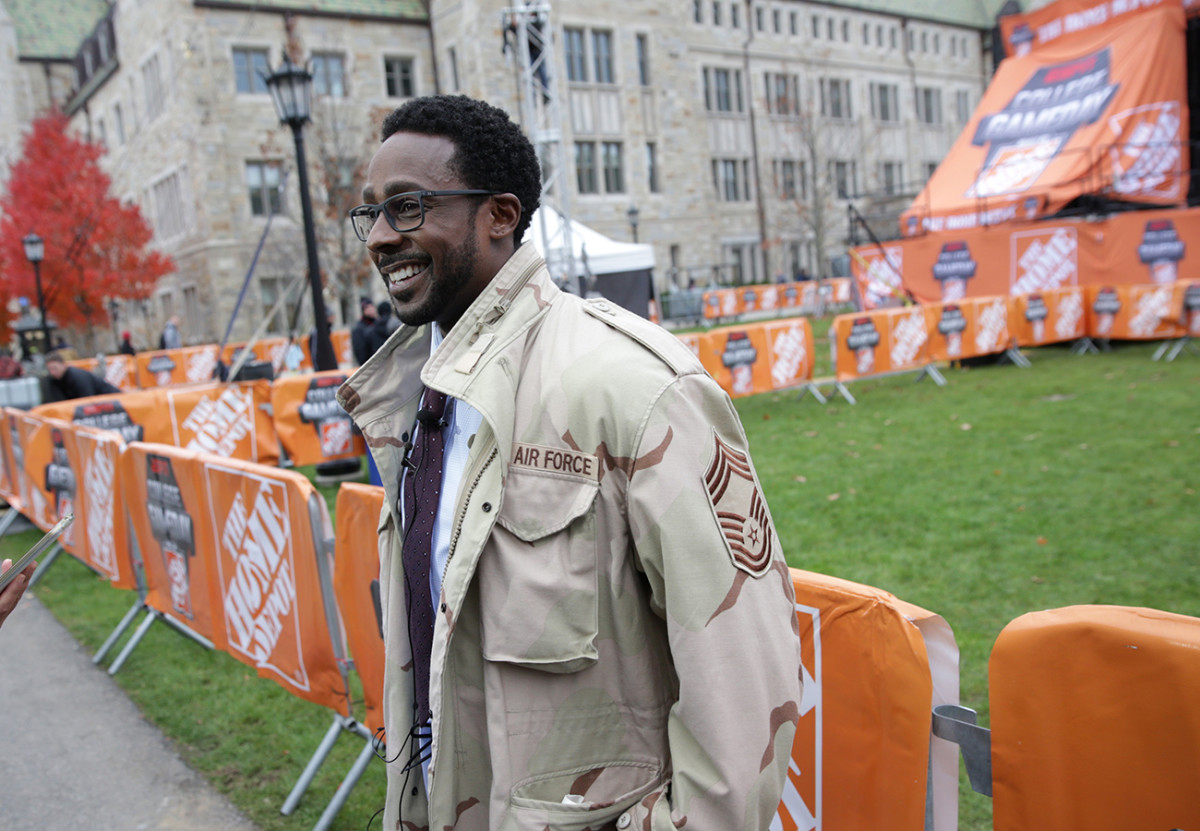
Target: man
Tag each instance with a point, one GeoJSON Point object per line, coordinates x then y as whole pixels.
{"type": "Point", "coordinates": [360, 334]}
{"type": "Point", "coordinates": [67, 382]}
{"type": "Point", "coordinates": [600, 632]}
{"type": "Point", "coordinates": [9, 366]}
{"type": "Point", "coordinates": [170, 338]}
{"type": "Point", "coordinates": [127, 347]}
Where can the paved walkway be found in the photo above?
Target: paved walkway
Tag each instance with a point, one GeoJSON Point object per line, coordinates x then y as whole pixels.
{"type": "Point", "coordinates": [76, 753]}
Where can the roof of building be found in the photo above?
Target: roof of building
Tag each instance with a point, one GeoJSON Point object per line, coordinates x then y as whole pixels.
{"type": "Point", "coordinates": [380, 9]}
{"type": "Point", "coordinates": [54, 28]}
{"type": "Point", "coordinates": [976, 14]}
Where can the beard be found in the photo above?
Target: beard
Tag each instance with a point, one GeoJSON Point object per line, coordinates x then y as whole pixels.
{"type": "Point", "coordinates": [446, 287]}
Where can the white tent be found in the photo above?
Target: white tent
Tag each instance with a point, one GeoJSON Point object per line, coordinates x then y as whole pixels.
{"type": "Point", "coordinates": [601, 254]}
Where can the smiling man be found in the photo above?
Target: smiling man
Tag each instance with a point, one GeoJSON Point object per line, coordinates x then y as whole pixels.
{"type": "Point", "coordinates": [588, 620]}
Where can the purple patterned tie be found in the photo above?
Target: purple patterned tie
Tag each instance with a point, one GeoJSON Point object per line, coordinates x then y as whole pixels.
{"type": "Point", "coordinates": [422, 487]}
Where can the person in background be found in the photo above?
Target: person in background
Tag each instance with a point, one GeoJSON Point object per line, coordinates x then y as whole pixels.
{"type": "Point", "coordinates": [13, 591]}
{"type": "Point", "coordinates": [10, 367]}
{"type": "Point", "coordinates": [589, 620]}
{"type": "Point", "coordinates": [170, 337]}
{"type": "Point", "coordinates": [382, 328]}
{"type": "Point", "coordinates": [127, 347]}
{"type": "Point", "coordinates": [360, 334]}
{"type": "Point", "coordinates": [67, 382]}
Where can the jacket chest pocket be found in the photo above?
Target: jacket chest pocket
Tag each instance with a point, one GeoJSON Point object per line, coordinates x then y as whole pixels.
{"type": "Point", "coordinates": [538, 578]}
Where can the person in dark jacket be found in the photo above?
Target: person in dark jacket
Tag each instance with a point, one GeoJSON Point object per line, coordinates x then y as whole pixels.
{"type": "Point", "coordinates": [66, 382]}
{"type": "Point", "coordinates": [127, 347]}
{"type": "Point", "coordinates": [360, 335]}
{"type": "Point", "coordinates": [382, 328]}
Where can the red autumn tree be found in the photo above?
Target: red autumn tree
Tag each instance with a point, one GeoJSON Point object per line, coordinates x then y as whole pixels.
{"type": "Point", "coordinates": [96, 247]}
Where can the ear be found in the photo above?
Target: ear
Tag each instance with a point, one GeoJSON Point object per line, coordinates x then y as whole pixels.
{"type": "Point", "coordinates": [504, 212]}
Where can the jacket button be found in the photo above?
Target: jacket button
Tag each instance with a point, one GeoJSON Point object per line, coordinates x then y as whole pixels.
{"type": "Point", "coordinates": [624, 821]}
{"type": "Point", "coordinates": [487, 507]}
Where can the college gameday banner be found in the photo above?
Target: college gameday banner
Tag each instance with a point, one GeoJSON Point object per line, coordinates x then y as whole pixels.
{"type": "Point", "coordinates": [311, 425]}
{"type": "Point", "coordinates": [1103, 111]}
{"type": "Point", "coordinates": [759, 357]}
{"type": "Point", "coordinates": [1050, 316]}
{"type": "Point", "coordinates": [1023, 33]}
{"type": "Point", "coordinates": [1132, 313]}
{"type": "Point", "coordinates": [1094, 720]}
{"type": "Point", "coordinates": [967, 328]}
{"type": "Point", "coordinates": [258, 529]}
{"type": "Point", "coordinates": [356, 585]}
{"type": "Point", "coordinates": [879, 341]}
{"type": "Point", "coordinates": [861, 753]}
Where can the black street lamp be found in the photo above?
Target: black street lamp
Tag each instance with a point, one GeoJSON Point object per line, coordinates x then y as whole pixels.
{"type": "Point", "coordinates": [632, 214]}
{"type": "Point", "coordinates": [35, 252]}
{"type": "Point", "coordinates": [291, 89]}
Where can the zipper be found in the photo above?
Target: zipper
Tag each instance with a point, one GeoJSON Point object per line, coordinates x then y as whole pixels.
{"type": "Point", "coordinates": [462, 514]}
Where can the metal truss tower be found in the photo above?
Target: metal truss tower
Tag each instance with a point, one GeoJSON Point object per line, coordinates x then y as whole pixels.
{"type": "Point", "coordinates": [528, 23]}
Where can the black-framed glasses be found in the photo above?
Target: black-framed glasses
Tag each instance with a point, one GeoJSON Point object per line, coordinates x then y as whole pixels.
{"type": "Point", "coordinates": [404, 211]}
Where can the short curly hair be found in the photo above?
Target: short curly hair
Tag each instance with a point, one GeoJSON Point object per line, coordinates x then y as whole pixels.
{"type": "Point", "coordinates": [491, 151]}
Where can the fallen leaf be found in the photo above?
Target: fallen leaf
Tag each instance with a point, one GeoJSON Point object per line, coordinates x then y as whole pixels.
{"type": "Point", "coordinates": [1041, 540]}
{"type": "Point", "coordinates": [1045, 468]}
{"type": "Point", "coordinates": [1171, 443]}
{"type": "Point", "coordinates": [834, 497]}
{"type": "Point", "coordinates": [997, 472]}
{"type": "Point", "coordinates": [800, 479]}
{"type": "Point", "coordinates": [1021, 508]}
{"type": "Point", "coordinates": [1083, 446]}
{"type": "Point", "coordinates": [1036, 579]}
{"type": "Point", "coordinates": [964, 426]}
{"type": "Point", "coordinates": [853, 491]}
{"type": "Point", "coordinates": [851, 442]}
{"type": "Point", "coordinates": [766, 416]}
{"type": "Point", "coordinates": [812, 434]}
{"type": "Point", "coordinates": [877, 447]}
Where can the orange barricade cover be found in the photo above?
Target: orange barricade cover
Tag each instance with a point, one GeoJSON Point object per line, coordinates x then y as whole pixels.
{"type": "Point", "coordinates": [1132, 313]}
{"type": "Point", "coordinates": [311, 425]}
{"type": "Point", "coordinates": [1103, 111]}
{"type": "Point", "coordinates": [120, 370]}
{"type": "Point", "coordinates": [1185, 305]}
{"type": "Point", "coordinates": [1095, 720]}
{"type": "Point", "coordinates": [1050, 316]}
{"type": "Point", "coordinates": [758, 357]}
{"type": "Point", "coordinates": [161, 368]}
{"type": "Point", "coordinates": [356, 570]}
{"type": "Point", "coordinates": [100, 531]}
{"type": "Point", "coordinates": [967, 328]}
{"type": "Point", "coordinates": [226, 420]}
{"type": "Point", "coordinates": [721, 303]}
{"type": "Point", "coordinates": [258, 531]}
{"type": "Point", "coordinates": [8, 479]}
{"type": "Point", "coordinates": [41, 468]}
{"type": "Point", "coordinates": [883, 340]}
{"type": "Point", "coordinates": [861, 754]}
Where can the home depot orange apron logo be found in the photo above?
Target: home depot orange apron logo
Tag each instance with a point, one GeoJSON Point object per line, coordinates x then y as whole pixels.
{"type": "Point", "coordinates": [908, 338]}
{"type": "Point", "coordinates": [1045, 259]}
{"type": "Point", "coordinates": [1152, 307]}
{"type": "Point", "coordinates": [953, 268]}
{"type": "Point", "coordinates": [219, 424]}
{"type": "Point", "coordinates": [790, 351]}
{"type": "Point", "coordinates": [1147, 162]}
{"type": "Point", "coordinates": [1161, 250]}
{"type": "Point", "coordinates": [199, 363]}
{"type": "Point", "coordinates": [1028, 133]}
{"type": "Point", "coordinates": [98, 460]}
{"type": "Point", "coordinates": [172, 528]}
{"type": "Point", "coordinates": [1069, 317]}
{"type": "Point", "coordinates": [800, 806]}
{"type": "Point", "coordinates": [882, 279]}
{"type": "Point", "coordinates": [991, 327]}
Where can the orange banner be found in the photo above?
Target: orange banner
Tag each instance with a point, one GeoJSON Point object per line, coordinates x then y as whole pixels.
{"type": "Point", "coordinates": [228, 420]}
{"type": "Point", "coordinates": [1102, 112]}
{"type": "Point", "coordinates": [42, 473]}
{"type": "Point", "coordinates": [1023, 33]}
{"type": "Point", "coordinates": [1185, 306]}
{"type": "Point", "coordinates": [759, 357]}
{"type": "Point", "coordinates": [9, 490]}
{"type": "Point", "coordinates": [119, 370]}
{"type": "Point", "coordinates": [258, 530]}
{"type": "Point", "coordinates": [311, 425]}
{"type": "Point", "coordinates": [1050, 316]}
{"type": "Point", "coordinates": [879, 341]}
{"type": "Point", "coordinates": [100, 531]}
{"type": "Point", "coordinates": [1095, 721]}
{"type": "Point", "coordinates": [861, 754]}
{"type": "Point", "coordinates": [968, 328]}
{"type": "Point", "coordinates": [356, 585]}
{"type": "Point", "coordinates": [1132, 313]}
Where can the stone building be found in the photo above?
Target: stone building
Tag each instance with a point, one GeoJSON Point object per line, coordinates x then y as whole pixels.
{"type": "Point", "coordinates": [742, 130]}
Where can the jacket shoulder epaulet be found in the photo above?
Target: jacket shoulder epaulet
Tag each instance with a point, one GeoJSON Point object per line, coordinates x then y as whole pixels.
{"type": "Point", "coordinates": [670, 349]}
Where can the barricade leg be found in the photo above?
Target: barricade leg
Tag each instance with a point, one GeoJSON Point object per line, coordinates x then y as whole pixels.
{"type": "Point", "coordinates": [1083, 346]}
{"type": "Point", "coordinates": [183, 629]}
{"type": "Point", "coordinates": [10, 516]}
{"type": "Point", "coordinates": [134, 641]}
{"type": "Point", "coordinates": [347, 784]}
{"type": "Point", "coordinates": [934, 375]}
{"type": "Point", "coordinates": [118, 632]}
{"type": "Point", "coordinates": [314, 765]}
{"type": "Point", "coordinates": [44, 566]}
{"type": "Point", "coordinates": [1013, 354]}
{"type": "Point", "coordinates": [841, 390]}
{"type": "Point", "coordinates": [816, 392]}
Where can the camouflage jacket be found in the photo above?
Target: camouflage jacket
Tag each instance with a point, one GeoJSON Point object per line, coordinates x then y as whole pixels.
{"type": "Point", "coordinates": [616, 644]}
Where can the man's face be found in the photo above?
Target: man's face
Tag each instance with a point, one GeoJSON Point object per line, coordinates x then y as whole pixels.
{"type": "Point", "coordinates": [56, 369]}
{"type": "Point", "coordinates": [434, 272]}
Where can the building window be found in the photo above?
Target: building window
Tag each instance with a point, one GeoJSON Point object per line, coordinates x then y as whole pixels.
{"type": "Point", "coordinates": [891, 177]}
{"type": "Point", "coordinates": [866, 34]}
{"type": "Point", "coordinates": [893, 37]}
{"type": "Point", "coordinates": [101, 132]}
{"type": "Point", "coordinates": [611, 159]}
{"type": "Point", "coordinates": [760, 19]}
{"type": "Point", "coordinates": [962, 106]}
{"type": "Point", "coordinates": [735, 16]}
{"type": "Point", "coordinates": [398, 75]}
{"type": "Point", "coordinates": [643, 60]}
{"type": "Point", "coordinates": [731, 179]}
{"type": "Point", "coordinates": [271, 289]}
{"type": "Point", "coordinates": [697, 16]}
{"type": "Point", "coordinates": [723, 90]}
{"type": "Point", "coordinates": [785, 176]}
{"type": "Point", "coordinates": [152, 86]}
{"type": "Point", "coordinates": [816, 27]}
{"type": "Point", "coordinates": [585, 167]}
{"type": "Point", "coordinates": [602, 55]}
{"type": "Point", "coordinates": [652, 167]}
{"type": "Point", "coordinates": [835, 98]}
{"type": "Point", "coordinates": [930, 169]}
{"type": "Point", "coordinates": [929, 105]}
{"type": "Point", "coordinates": [452, 54]}
{"type": "Point", "coordinates": [118, 123]}
{"type": "Point", "coordinates": [576, 59]}
{"type": "Point", "coordinates": [716, 6]}
{"type": "Point", "coordinates": [783, 96]}
{"type": "Point", "coordinates": [262, 181]}
{"type": "Point", "coordinates": [191, 309]}
{"type": "Point", "coordinates": [329, 75]}
{"type": "Point", "coordinates": [794, 23]}
{"type": "Point", "coordinates": [843, 174]}
{"type": "Point", "coordinates": [169, 206]}
{"type": "Point", "coordinates": [777, 21]}
{"type": "Point", "coordinates": [879, 36]}
{"type": "Point", "coordinates": [885, 102]}
{"type": "Point", "coordinates": [829, 28]}
{"type": "Point", "coordinates": [250, 70]}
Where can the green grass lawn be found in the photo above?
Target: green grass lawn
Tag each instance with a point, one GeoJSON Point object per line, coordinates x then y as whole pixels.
{"type": "Point", "coordinates": [1006, 491]}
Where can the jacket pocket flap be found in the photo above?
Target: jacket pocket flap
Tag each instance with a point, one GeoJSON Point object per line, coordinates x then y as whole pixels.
{"type": "Point", "coordinates": [538, 503]}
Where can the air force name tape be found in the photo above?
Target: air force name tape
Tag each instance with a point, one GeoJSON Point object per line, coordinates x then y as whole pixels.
{"type": "Point", "coordinates": [556, 460]}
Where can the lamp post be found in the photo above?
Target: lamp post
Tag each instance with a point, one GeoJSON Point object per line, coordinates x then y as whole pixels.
{"type": "Point", "coordinates": [632, 215]}
{"type": "Point", "coordinates": [35, 252]}
{"type": "Point", "coordinates": [291, 90]}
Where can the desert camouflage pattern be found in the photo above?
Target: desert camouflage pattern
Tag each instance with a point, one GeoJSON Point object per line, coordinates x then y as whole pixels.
{"type": "Point", "coordinates": [617, 644]}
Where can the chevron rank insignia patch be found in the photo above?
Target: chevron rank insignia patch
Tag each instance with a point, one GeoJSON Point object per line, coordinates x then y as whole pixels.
{"type": "Point", "coordinates": [740, 509]}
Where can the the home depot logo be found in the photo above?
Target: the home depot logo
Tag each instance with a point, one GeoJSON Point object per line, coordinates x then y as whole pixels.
{"type": "Point", "coordinates": [1042, 260]}
{"type": "Point", "coordinates": [219, 425]}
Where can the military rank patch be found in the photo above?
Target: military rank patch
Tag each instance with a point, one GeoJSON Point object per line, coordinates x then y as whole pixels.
{"type": "Point", "coordinates": [740, 509]}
